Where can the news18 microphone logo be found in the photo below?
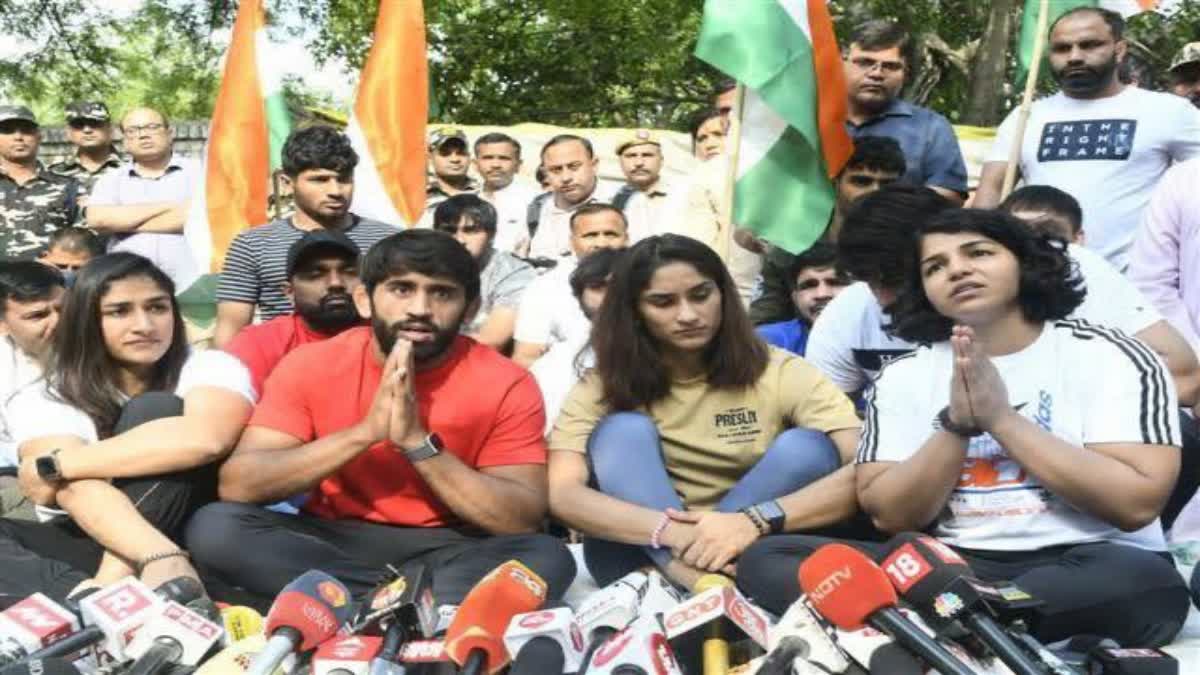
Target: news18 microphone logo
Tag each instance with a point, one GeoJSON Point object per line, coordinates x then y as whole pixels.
{"type": "Point", "coordinates": [906, 567]}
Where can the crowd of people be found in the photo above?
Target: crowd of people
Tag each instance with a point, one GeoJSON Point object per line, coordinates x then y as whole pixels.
{"type": "Point", "coordinates": [532, 365]}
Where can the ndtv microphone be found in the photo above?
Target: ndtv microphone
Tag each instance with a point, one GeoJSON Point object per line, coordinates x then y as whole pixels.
{"type": "Point", "coordinates": [475, 639]}
{"type": "Point", "coordinates": [851, 591]}
{"type": "Point", "coordinates": [307, 612]}
{"type": "Point", "coordinates": [935, 580]}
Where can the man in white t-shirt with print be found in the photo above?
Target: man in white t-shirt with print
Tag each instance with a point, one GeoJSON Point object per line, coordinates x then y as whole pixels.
{"type": "Point", "coordinates": [850, 344]}
{"type": "Point", "coordinates": [1102, 141]}
{"type": "Point", "coordinates": [549, 313]}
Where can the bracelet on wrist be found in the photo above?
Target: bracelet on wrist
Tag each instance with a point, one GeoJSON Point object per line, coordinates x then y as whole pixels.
{"type": "Point", "coordinates": [656, 535]}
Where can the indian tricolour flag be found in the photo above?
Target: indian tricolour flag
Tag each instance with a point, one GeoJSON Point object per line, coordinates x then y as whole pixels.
{"type": "Point", "coordinates": [387, 126]}
{"type": "Point", "coordinates": [1029, 18]}
{"type": "Point", "coordinates": [249, 125]}
{"type": "Point", "coordinates": [793, 135]}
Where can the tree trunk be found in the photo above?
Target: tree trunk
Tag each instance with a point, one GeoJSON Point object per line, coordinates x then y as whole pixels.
{"type": "Point", "coordinates": [991, 63]}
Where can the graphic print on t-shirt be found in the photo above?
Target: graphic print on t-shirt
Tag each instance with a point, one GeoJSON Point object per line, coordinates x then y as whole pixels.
{"type": "Point", "coordinates": [993, 484]}
{"type": "Point", "coordinates": [1087, 139]}
{"type": "Point", "coordinates": [737, 425]}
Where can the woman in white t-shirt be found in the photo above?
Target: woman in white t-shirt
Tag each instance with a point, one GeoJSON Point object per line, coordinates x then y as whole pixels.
{"type": "Point", "coordinates": [1041, 448]}
{"type": "Point", "coordinates": [106, 450]}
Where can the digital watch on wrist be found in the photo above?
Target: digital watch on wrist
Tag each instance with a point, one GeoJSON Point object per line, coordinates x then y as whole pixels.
{"type": "Point", "coordinates": [48, 468]}
{"type": "Point", "coordinates": [944, 423]}
{"type": "Point", "coordinates": [432, 446]}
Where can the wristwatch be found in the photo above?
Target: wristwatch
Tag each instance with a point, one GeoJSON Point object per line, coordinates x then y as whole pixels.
{"type": "Point", "coordinates": [48, 468]}
{"type": "Point", "coordinates": [431, 447]}
{"type": "Point", "coordinates": [773, 513]}
{"type": "Point", "coordinates": [944, 423]}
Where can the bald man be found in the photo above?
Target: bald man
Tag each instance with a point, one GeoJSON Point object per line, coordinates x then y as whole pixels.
{"type": "Point", "coordinates": [144, 204]}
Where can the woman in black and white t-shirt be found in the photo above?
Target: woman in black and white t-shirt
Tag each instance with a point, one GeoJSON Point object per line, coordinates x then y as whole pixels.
{"type": "Point", "coordinates": [1041, 448]}
{"type": "Point", "coordinates": [118, 441]}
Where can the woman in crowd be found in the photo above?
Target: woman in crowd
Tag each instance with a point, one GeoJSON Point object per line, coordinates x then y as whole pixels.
{"type": "Point", "coordinates": [1041, 448]}
{"type": "Point", "coordinates": [118, 441]}
{"type": "Point", "coordinates": [709, 128]}
{"type": "Point", "coordinates": [690, 438]}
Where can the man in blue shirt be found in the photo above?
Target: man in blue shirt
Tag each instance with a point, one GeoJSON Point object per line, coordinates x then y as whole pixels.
{"type": "Point", "coordinates": [877, 62]}
{"type": "Point", "coordinates": [815, 281]}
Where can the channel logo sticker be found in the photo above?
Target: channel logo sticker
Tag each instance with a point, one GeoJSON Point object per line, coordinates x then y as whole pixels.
{"type": "Point", "coordinates": [332, 593]}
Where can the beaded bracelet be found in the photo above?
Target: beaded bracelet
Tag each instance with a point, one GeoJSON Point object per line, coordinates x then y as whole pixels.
{"type": "Point", "coordinates": [178, 553]}
{"type": "Point", "coordinates": [656, 535]}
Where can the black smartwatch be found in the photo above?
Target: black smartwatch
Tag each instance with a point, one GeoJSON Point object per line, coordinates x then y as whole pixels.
{"type": "Point", "coordinates": [48, 468]}
{"type": "Point", "coordinates": [944, 423]}
{"type": "Point", "coordinates": [773, 513]}
{"type": "Point", "coordinates": [430, 448]}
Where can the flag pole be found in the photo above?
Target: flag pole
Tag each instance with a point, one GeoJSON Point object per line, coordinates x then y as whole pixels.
{"type": "Point", "coordinates": [1014, 152]}
{"type": "Point", "coordinates": [725, 239]}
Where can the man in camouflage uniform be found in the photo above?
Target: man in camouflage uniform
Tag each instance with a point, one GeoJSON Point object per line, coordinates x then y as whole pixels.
{"type": "Point", "coordinates": [33, 201]}
{"type": "Point", "coordinates": [449, 160]}
{"type": "Point", "coordinates": [89, 128]}
{"type": "Point", "coordinates": [1184, 74]}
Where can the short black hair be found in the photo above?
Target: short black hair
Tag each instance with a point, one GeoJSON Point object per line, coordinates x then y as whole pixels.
{"type": "Point", "coordinates": [873, 245]}
{"type": "Point", "coordinates": [879, 34]}
{"type": "Point", "coordinates": [821, 254]}
{"type": "Point", "coordinates": [474, 208]}
{"type": "Point", "coordinates": [424, 252]}
{"type": "Point", "coordinates": [592, 208]}
{"type": "Point", "coordinates": [594, 269]}
{"type": "Point", "coordinates": [540, 174]}
{"type": "Point", "coordinates": [318, 147]}
{"type": "Point", "coordinates": [703, 115]}
{"type": "Point", "coordinates": [27, 281]}
{"type": "Point", "coordinates": [1116, 23]}
{"type": "Point", "coordinates": [76, 240]}
{"type": "Point", "coordinates": [723, 85]}
{"type": "Point", "coordinates": [1049, 287]}
{"type": "Point", "coordinates": [568, 138]}
{"type": "Point", "coordinates": [877, 153]}
{"type": "Point", "coordinates": [497, 137]}
{"type": "Point", "coordinates": [1046, 198]}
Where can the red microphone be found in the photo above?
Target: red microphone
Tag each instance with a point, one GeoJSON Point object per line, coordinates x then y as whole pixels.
{"type": "Point", "coordinates": [851, 591]}
{"type": "Point", "coordinates": [307, 612]}
{"type": "Point", "coordinates": [475, 639]}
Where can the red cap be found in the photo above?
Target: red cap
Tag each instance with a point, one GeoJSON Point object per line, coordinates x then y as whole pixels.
{"type": "Point", "coordinates": [485, 613]}
{"type": "Point", "coordinates": [845, 586]}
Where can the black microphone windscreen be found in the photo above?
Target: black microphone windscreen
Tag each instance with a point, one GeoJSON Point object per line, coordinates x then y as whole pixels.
{"type": "Point", "coordinates": [539, 655]}
{"type": "Point", "coordinates": [892, 659]}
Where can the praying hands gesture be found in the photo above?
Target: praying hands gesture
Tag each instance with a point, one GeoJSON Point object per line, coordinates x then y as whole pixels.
{"type": "Point", "coordinates": [394, 413]}
{"type": "Point", "coordinates": [978, 396]}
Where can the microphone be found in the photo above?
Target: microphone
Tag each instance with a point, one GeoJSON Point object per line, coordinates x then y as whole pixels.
{"type": "Point", "coordinates": [849, 590]}
{"type": "Point", "coordinates": [557, 626]}
{"type": "Point", "coordinates": [236, 658]}
{"type": "Point", "coordinates": [1110, 661]}
{"type": "Point", "coordinates": [349, 655]}
{"type": "Point", "coordinates": [935, 580]}
{"type": "Point", "coordinates": [175, 636]}
{"type": "Point", "coordinates": [475, 639]}
{"type": "Point", "coordinates": [640, 648]}
{"type": "Point", "coordinates": [240, 622]}
{"type": "Point", "coordinates": [716, 646]}
{"type": "Point", "coordinates": [307, 612]}
{"type": "Point", "coordinates": [799, 622]}
{"type": "Point", "coordinates": [605, 612]}
{"type": "Point", "coordinates": [31, 624]}
{"type": "Point", "coordinates": [723, 602]}
{"type": "Point", "coordinates": [112, 615]}
{"type": "Point", "coordinates": [402, 607]}
{"type": "Point", "coordinates": [540, 655]}
{"type": "Point", "coordinates": [48, 666]}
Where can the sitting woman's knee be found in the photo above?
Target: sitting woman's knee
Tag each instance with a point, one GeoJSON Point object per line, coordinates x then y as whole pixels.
{"type": "Point", "coordinates": [148, 407]}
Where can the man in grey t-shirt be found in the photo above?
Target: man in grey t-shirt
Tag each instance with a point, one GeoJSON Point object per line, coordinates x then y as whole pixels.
{"type": "Point", "coordinates": [502, 277]}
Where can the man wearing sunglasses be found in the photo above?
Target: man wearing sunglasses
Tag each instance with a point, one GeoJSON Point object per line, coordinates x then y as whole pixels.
{"type": "Point", "coordinates": [33, 201]}
{"type": "Point", "coordinates": [877, 62]}
{"type": "Point", "coordinates": [89, 129]}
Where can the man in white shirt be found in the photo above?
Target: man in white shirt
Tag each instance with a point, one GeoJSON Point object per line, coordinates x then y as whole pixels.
{"type": "Point", "coordinates": [1102, 141]}
{"type": "Point", "coordinates": [570, 165]}
{"type": "Point", "coordinates": [498, 159]}
{"type": "Point", "coordinates": [549, 313]}
{"type": "Point", "coordinates": [651, 201]}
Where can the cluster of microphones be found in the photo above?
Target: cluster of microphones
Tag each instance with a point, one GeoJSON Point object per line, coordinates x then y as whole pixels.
{"type": "Point", "coordinates": [849, 620]}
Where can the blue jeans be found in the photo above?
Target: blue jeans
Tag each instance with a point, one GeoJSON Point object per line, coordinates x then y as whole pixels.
{"type": "Point", "coordinates": [626, 462]}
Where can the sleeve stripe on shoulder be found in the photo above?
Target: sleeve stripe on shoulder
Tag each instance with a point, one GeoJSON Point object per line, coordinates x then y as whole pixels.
{"type": "Point", "coordinates": [868, 444]}
{"type": "Point", "coordinates": [1155, 403]}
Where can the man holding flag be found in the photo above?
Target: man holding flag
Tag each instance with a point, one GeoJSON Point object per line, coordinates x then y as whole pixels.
{"type": "Point", "coordinates": [1104, 142]}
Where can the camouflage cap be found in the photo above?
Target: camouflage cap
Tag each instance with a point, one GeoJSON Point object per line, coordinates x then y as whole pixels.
{"type": "Point", "coordinates": [16, 112]}
{"type": "Point", "coordinates": [639, 137]}
{"type": "Point", "coordinates": [87, 110]}
{"type": "Point", "coordinates": [1190, 53]}
{"type": "Point", "coordinates": [440, 137]}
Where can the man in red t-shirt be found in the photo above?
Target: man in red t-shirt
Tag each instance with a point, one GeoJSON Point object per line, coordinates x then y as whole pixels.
{"type": "Point", "coordinates": [322, 272]}
{"type": "Point", "coordinates": [413, 442]}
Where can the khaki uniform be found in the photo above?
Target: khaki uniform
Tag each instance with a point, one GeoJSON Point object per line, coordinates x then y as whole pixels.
{"type": "Point", "coordinates": [29, 212]}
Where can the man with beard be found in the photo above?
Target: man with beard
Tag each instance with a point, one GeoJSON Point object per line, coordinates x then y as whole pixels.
{"type": "Point", "coordinates": [318, 163]}
{"type": "Point", "coordinates": [815, 281]}
{"type": "Point", "coordinates": [1184, 73]}
{"type": "Point", "coordinates": [876, 63]}
{"type": "Point", "coordinates": [322, 272]}
{"type": "Point", "coordinates": [413, 441]}
{"type": "Point", "coordinates": [89, 129]}
{"type": "Point", "coordinates": [1103, 142]}
{"type": "Point", "coordinates": [33, 201]}
{"type": "Point", "coordinates": [498, 159]}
